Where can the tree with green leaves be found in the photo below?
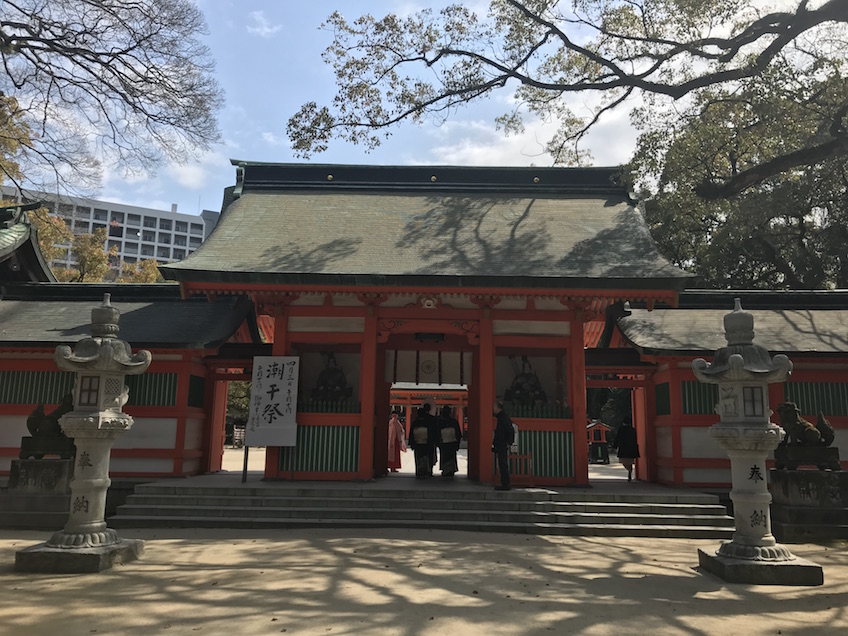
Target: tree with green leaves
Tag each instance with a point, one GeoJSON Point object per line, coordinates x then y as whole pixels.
{"type": "Point", "coordinates": [561, 58]}
{"type": "Point", "coordinates": [92, 260]}
{"type": "Point", "coordinates": [143, 271]}
{"type": "Point", "coordinates": [105, 80]}
{"type": "Point", "coordinates": [783, 230]}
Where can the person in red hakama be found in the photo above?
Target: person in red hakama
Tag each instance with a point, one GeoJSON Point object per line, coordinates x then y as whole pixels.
{"type": "Point", "coordinates": [397, 442]}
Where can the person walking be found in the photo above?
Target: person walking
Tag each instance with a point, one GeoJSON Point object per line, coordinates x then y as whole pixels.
{"type": "Point", "coordinates": [503, 438]}
{"type": "Point", "coordinates": [449, 437]}
{"type": "Point", "coordinates": [397, 442]}
{"type": "Point", "coordinates": [627, 445]}
{"type": "Point", "coordinates": [422, 439]}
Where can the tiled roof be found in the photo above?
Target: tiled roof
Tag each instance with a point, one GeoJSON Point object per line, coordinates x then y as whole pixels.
{"type": "Point", "coordinates": [701, 331]}
{"type": "Point", "coordinates": [393, 226]}
{"type": "Point", "coordinates": [43, 319]}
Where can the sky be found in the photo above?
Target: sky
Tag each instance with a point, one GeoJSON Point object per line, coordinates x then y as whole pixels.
{"type": "Point", "coordinates": [268, 61]}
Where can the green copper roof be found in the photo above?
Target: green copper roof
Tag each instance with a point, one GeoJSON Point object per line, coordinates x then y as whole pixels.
{"type": "Point", "coordinates": [394, 226]}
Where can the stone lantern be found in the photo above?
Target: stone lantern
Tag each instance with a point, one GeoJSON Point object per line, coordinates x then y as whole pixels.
{"type": "Point", "coordinates": [100, 362]}
{"type": "Point", "coordinates": [743, 371]}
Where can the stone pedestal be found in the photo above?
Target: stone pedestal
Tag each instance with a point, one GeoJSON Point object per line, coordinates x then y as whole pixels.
{"type": "Point", "coordinates": [101, 362]}
{"type": "Point", "coordinates": [38, 495]}
{"type": "Point", "coordinates": [809, 505]}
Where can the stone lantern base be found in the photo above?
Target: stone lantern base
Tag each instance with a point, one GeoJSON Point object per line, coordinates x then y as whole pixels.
{"type": "Point", "coordinates": [795, 571]}
{"type": "Point", "coordinates": [50, 559]}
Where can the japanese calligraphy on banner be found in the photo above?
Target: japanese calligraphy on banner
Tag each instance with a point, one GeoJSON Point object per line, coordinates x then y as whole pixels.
{"type": "Point", "coordinates": [273, 402]}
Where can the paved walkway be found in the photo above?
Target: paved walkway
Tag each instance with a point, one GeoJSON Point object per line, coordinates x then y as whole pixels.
{"type": "Point", "coordinates": [393, 582]}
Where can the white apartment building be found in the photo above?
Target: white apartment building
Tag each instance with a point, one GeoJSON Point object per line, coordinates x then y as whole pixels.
{"type": "Point", "coordinates": [136, 233]}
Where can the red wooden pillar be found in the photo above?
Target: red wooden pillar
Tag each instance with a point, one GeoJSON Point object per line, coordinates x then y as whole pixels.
{"type": "Point", "coordinates": [280, 347]}
{"type": "Point", "coordinates": [485, 378]}
{"type": "Point", "coordinates": [638, 408]}
{"type": "Point", "coordinates": [577, 372]}
{"type": "Point", "coordinates": [367, 388]}
{"type": "Point", "coordinates": [382, 409]}
{"type": "Point", "coordinates": [675, 385]}
{"type": "Point", "coordinates": [214, 427]}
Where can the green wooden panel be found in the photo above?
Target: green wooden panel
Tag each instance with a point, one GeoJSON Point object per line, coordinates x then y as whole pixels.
{"type": "Point", "coordinates": [152, 389]}
{"type": "Point", "coordinates": [831, 398]}
{"type": "Point", "coordinates": [331, 449]}
{"type": "Point", "coordinates": [698, 398]}
{"type": "Point", "coordinates": [663, 398]}
{"type": "Point", "coordinates": [35, 387]}
{"type": "Point", "coordinates": [552, 452]}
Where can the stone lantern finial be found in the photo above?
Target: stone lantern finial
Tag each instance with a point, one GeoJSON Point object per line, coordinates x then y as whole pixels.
{"type": "Point", "coordinates": [105, 319]}
{"type": "Point", "coordinates": [739, 326]}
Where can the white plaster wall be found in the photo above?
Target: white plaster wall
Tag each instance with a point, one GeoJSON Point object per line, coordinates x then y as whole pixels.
{"type": "Point", "coordinates": [149, 432]}
{"type": "Point", "coordinates": [193, 434]}
{"type": "Point", "coordinates": [530, 327]}
{"type": "Point", "coordinates": [696, 442]}
{"type": "Point", "coordinates": [12, 429]}
{"type": "Point", "coordinates": [191, 465]}
{"type": "Point", "coordinates": [663, 437]}
{"type": "Point", "coordinates": [141, 465]}
{"type": "Point", "coordinates": [706, 475]}
{"type": "Point", "coordinates": [450, 367]}
{"type": "Point", "coordinates": [331, 325]}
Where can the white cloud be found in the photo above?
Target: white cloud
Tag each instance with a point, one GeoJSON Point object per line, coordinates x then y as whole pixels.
{"type": "Point", "coordinates": [274, 140]}
{"type": "Point", "coordinates": [262, 27]}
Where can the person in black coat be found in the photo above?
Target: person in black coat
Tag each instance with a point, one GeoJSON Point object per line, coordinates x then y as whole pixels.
{"type": "Point", "coordinates": [627, 445]}
{"type": "Point", "coordinates": [503, 438]}
{"type": "Point", "coordinates": [422, 440]}
{"type": "Point", "coordinates": [449, 437]}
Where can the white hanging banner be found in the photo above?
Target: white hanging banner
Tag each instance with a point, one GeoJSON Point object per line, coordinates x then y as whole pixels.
{"type": "Point", "coordinates": [273, 402]}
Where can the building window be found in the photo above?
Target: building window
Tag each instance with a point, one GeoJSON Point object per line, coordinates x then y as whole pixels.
{"type": "Point", "coordinates": [180, 240]}
{"type": "Point", "coordinates": [97, 226]}
{"type": "Point", "coordinates": [163, 252]}
{"type": "Point", "coordinates": [82, 227]}
{"type": "Point", "coordinates": [194, 242]}
{"type": "Point", "coordinates": [165, 224]}
{"type": "Point", "coordinates": [150, 221]}
{"type": "Point", "coordinates": [196, 228]}
{"type": "Point", "coordinates": [89, 388]}
{"type": "Point", "coordinates": [134, 219]}
{"type": "Point", "coordinates": [117, 217]}
{"type": "Point", "coordinates": [179, 254]}
{"type": "Point", "coordinates": [752, 396]}
{"type": "Point", "coordinates": [147, 250]}
{"type": "Point", "coordinates": [180, 226]}
{"type": "Point", "coordinates": [131, 248]}
{"type": "Point", "coordinates": [100, 214]}
{"type": "Point", "coordinates": [148, 236]}
{"type": "Point", "coordinates": [164, 238]}
{"type": "Point", "coordinates": [115, 229]}
{"type": "Point", "coordinates": [114, 244]}
{"type": "Point", "coordinates": [130, 260]}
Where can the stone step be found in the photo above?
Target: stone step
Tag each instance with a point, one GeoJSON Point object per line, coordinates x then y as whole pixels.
{"type": "Point", "coordinates": [304, 512]}
{"type": "Point", "coordinates": [575, 529]}
{"type": "Point", "coordinates": [425, 492]}
{"type": "Point", "coordinates": [426, 504]}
